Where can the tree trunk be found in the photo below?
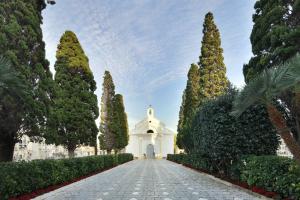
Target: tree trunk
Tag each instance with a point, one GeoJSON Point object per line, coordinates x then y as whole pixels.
{"type": "Point", "coordinates": [280, 124]}
{"type": "Point", "coordinates": [96, 150]}
{"type": "Point", "coordinates": [297, 117]}
{"type": "Point", "coordinates": [116, 151]}
{"type": "Point", "coordinates": [6, 150]}
{"type": "Point", "coordinates": [71, 151]}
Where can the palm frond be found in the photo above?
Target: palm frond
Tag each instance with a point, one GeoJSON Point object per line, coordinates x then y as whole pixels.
{"type": "Point", "coordinates": [269, 84]}
{"type": "Point", "coordinates": [292, 77]}
{"type": "Point", "coordinates": [250, 94]}
{"type": "Point", "coordinates": [9, 78]}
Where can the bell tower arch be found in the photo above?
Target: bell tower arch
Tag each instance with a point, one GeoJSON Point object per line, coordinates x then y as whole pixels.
{"type": "Point", "coordinates": [150, 112]}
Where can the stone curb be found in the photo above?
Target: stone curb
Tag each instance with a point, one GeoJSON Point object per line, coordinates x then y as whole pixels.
{"type": "Point", "coordinates": [227, 183]}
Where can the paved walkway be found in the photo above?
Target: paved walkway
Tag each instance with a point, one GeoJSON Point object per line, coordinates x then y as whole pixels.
{"type": "Point", "coordinates": [148, 180]}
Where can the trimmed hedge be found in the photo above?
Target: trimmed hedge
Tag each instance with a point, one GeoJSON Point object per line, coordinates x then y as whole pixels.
{"type": "Point", "coordinates": [223, 139]}
{"type": "Point", "coordinates": [18, 178]}
{"type": "Point", "coordinates": [191, 160]}
{"type": "Point", "coordinates": [176, 157]}
{"type": "Point", "coordinates": [272, 173]}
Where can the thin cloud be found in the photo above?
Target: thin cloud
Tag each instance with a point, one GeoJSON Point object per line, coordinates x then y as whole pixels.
{"type": "Point", "coordinates": [144, 44]}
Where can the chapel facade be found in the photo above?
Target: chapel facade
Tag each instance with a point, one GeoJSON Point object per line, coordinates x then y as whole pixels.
{"type": "Point", "coordinates": [150, 138]}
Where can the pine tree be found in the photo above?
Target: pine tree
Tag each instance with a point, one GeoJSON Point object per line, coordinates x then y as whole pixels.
{"type": "Point", "coordinates": [187, 111]}
{"type": "Point", "coordinates": [213, 81]}
{"type": "Point", "coordinates": [275, 38]}
{"type": "Point", "coordinates": [21, 42]}
{"type": "Point", "coordinates": [120, 123]}
{"type": "Point", "coordinates": [75, 104]}
{"type": "Point", "coordinates": [107, 137]}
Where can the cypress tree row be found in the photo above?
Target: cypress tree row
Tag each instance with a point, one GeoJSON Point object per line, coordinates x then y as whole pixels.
{"type": "Point", "coordinates": [22, 44]}
{"type": "Point", "coordinates": [107, 137]}
{"type": "Point", "coordinates": [188, 109]}
{"type": "Point", "coordinates": [213, 81]}
{"type": "Point", "coordinates": [204, 82]}
{"type": "Point", "coordinates": [75, 104]}
{"type": "Point", "coordinates": [120, 123]}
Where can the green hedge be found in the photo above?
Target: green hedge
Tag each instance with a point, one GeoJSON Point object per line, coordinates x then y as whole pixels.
{"type": "Point", "coordinates": [223, 139]}
{"type": "Point", "coordinates": [192, 160]}
{"type": "Point", "coordinates": [176, 157]}
{"type": "Point", "coordinates": [18, 178]}
{"type": "Point", "coordinates": [272, 173]}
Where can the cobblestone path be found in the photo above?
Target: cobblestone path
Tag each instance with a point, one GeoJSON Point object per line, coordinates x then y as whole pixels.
{"type": "Point", "coordinates": [148, 180]}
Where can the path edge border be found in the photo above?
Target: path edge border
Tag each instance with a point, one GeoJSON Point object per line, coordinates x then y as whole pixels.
{"type": "Point", "coordinates": [225, 182]}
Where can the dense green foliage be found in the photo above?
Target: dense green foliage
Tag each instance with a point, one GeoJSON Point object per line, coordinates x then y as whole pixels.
{"type": "Point", "coordinates": [223, 139]}
{"type": "Point", "coordinates": [75, 106]}
{"type": "Point", "coordinates": [176, 157]}
{"type": "Point", "coordinates": [266, 87]}
{"type": "Point", "coordinates": [21, 42]}
{"type": "Point", "coordinates": [205, 82]}
{"type": "Point", "coordinates": [213, 81]}
{"type": "Point", "coordinates": [107, 137]}
{"type": "Point", "coordinates": [275, 38]}
{"type": "Point", "coordinates": [273, 173]}
{"type": "Point", "coordinates": [120, 125]}
{"type": "Point", "coordinates": [179, 137]}
{"type": "Point", "coordinates": [275, 35]}
{"type": "Point", "coordinates": [192, 160]}
{"type": "Point", "coordinates": [18, 178]}
{"type": "Point", "coordinates": [188, 109]}
{"type": "Point", "coordinates": [10, 82]}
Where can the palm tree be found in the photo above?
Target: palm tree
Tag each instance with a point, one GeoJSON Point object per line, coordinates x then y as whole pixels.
{"type": "Point", "coordinates": [266, 88]}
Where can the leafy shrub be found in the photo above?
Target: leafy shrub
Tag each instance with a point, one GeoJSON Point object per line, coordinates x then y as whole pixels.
{"type": "Point", "coordinates": [222, 139]}
{"type": "Point", "coordinates": [176, 157]}
{"type": "Point", "coordinates": [18, 178]}
{"type": "Point", "coordinates": [122, 158]}
{"type": "Point", "coordinates": [273, 173]}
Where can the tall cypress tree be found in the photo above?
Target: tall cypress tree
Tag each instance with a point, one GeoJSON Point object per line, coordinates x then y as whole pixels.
{"type": "Point", "coordinates": [275, 38]}
{"type": "Point", "coordinates": [120, 123]}
{"type": "Point", "coordinates": [188, 109]}
{"type": "Point", "coordinates": [107, 137]}
{"type": "Point", "coordinates": [75, 104]}
{"type": "Point", "coordinates": [21, 42]}
{"type": "Point", "coordinates": [179, 137]}
{"type": "Point", "coordinates": [213, 81]}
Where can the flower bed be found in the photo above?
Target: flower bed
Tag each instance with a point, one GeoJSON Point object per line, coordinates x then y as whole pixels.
{"type": "Point", "coordinates": [40, 176]}
{"type": "Point", "coordinates": [271, 176]}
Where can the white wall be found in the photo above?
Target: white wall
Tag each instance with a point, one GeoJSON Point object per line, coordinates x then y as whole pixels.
{"type": "Point", "coordinates": [162, 146]}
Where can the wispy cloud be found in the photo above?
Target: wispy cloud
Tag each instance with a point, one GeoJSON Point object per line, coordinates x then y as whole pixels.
{"type": "Point", "coordinates": [144, 44]}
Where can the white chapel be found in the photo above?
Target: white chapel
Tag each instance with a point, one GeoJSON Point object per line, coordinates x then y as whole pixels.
{"type": "Point", "coordinates": [150, 138]}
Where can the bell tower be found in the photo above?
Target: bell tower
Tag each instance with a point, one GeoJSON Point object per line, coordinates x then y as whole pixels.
{"type": "Point", "coordinates": [150, 112]}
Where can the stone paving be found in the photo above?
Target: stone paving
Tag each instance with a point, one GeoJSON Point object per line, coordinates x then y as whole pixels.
{"type": "Point", "coordinates": [149, 180]}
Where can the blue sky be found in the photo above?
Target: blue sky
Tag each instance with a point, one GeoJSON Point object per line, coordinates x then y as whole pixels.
{"type": "Point", "coordinates": [148, 45]}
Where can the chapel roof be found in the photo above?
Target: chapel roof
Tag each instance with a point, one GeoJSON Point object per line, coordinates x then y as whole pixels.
{"type": "Point", "coordinates": [150, 123]}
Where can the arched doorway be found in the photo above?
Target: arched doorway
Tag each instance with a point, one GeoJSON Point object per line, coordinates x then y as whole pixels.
{"type": "Point", "coordinates": [150, 151]}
